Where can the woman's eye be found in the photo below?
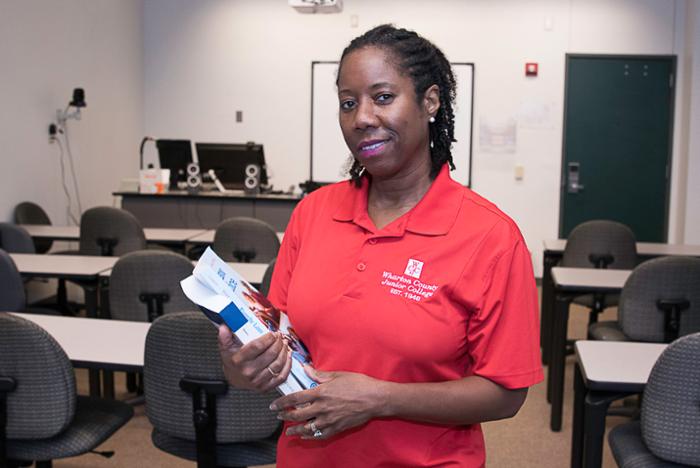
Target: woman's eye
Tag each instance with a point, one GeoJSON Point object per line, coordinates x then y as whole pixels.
{"type": "Point", "coordinates": [347, 105]}
{"type": "Point", "coordinates": [385, 98]}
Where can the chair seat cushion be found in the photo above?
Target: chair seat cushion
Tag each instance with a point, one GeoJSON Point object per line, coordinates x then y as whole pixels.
{"type": "Point", "coordinates": [239, 454]}
{"type": "Point", "coordinates": [629, 450]}
{"type": "Point", "coordinates": [94, 422]}
{"type": "Point", "coordinates": [607, 330]}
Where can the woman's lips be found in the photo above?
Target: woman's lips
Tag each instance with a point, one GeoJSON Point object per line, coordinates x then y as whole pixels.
{"type": "Point", "coordinates": [371, 148]}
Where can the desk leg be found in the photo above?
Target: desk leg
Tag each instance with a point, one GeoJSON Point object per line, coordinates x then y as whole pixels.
{"type": "Point", "coordinates": [94, 380]}
{"type": "Point", "coordinates": [577, 430]}
{"type": "Point", "coordinates": [91, 300]}
{"type": "Point", "coordinates": [546, 307]}
{"type": "Point", "coordinates": [108, 384]}
{"type": "Point", "coordinates": [596, 408]}
{"type": "Point", "coordinates": [555, 381]}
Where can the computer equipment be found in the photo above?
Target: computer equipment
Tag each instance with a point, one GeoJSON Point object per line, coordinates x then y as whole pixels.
{"type": "Point", "coordinates": [175, 155]}
{"type": "Point", "coordinates": [229, 161]}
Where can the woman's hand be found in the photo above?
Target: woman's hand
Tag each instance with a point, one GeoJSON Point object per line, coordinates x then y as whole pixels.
{"type": "Point", "coordinates": [260, 365]}
{"type": "Point", "coordinates": [342, 400]}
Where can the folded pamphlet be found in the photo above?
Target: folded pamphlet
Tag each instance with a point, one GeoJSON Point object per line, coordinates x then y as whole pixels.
{"type": "Point", "coordinates": [225, 297]}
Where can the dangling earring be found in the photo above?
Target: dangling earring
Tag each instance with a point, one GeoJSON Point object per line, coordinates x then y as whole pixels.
{"type": "Point", "coordinates": [431, 119]}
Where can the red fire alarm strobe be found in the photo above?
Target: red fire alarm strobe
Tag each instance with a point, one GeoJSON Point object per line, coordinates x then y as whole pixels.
{"type": "Point", "coordinates": [531, 69]}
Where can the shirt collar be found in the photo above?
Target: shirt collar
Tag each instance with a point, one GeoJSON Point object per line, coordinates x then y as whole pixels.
{"type": "Point", "coordinates": [434, 215]}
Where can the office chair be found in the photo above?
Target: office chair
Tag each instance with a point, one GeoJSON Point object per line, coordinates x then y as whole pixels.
{"type": "Point", "coordinates": [144, 285]}
{"type": "Point", "coordinates": [12, 295]}
{"type": "Point", "coordinates": [42, 417]}
{"type": "Point", "coordinates": [15, 239]}
{"type": "Point", "coordinates": [108, 231]}
{"type": "Point", "coordinates": [245, 240]}
{"type": "Point", "coordinates": [600, 244]}
{"type": "Point", "coordinates": [194, 413]}
{"type": "Point", "coordinates": [267, 277]}
{"type": "Point", "coordinates": [659, 302]}
{"type": "Point", "coordinates": [31, 213]}
{"type": "Point", "coordinates": [668, 434]}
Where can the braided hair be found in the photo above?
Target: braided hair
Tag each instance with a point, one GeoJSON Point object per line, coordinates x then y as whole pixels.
{"type": "Point", "coordinates": [426, 65]}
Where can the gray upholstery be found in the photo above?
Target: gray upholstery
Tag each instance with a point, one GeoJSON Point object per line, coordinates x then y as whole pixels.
{"type": "Point", "coordinates": [104, 222]}
{"type": "Point", "coordinates": [184, 344]}
{"type": "Point", "coordinates": [94, 422]}
{"type": "Point", "coordinates": [600, 237]}
{"type": "Point", "coordinates": [147, 271]}
{"type": "Point", "coordinates": [669, 432]}
{"type": "Point", "coordinates": [671, 404]}
{"type": "Point", "coordinates": [44, 402]}
{"type": "Point", "coordinates": [639, 317]}
{"type": "Point", "coordinates": [46, 420]}
{"type": "Point", "coordinates": [12, 297]}
{"type": "Point", "coordinates": [267, 278]}
{"type": "Point", "coordinates": [243, 234]}
{"type": "Point", "coordinates": [629, 450]}
{"type": "Point", "coordinates": [31, 213]}
{"type": "Point", "coordinates": [15, 239]}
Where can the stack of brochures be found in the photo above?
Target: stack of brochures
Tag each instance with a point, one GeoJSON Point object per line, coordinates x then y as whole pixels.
{"type": "Point", "coordinates": [225, 297]}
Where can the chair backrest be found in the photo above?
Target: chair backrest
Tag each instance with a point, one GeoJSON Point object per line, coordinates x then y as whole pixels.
{"type": "Point", "coordinates": [184, 344]}
{"type": "Point", "coordinates": [267, 277]}
{"type": "Point", "coordinates": [138, 277]}
{"type": "Point", "coordinates": [600, 238]}
{"type": "Point", "coordinates": [30, 213]}
{"type": "Point", "coordinates": [12, 296]}
{"type": "Point", "coordinates": [110, 231]}
{"type": "Point", "coordinates": [664, 278]}
{"type": "Point", "coordinates": [43, 403]}
{"type": "Point", "coordinates": [15, 239]}
{"type": "Point", "coordinates": [671, 403]}
{"type": "Point", "coordinates": [245, 240]}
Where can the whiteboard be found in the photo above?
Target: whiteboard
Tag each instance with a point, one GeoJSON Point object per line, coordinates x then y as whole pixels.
{"type": "Point", "coordinates": [329, 155]}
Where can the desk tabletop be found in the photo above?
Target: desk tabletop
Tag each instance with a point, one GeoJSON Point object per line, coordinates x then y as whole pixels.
{"type": "Point", "coordinates": [96, 343]}
{"type": "Point", "coordinates": [651, 249]}
{"type": "Point", "coordinates": [589, 279]}
{"type": "Point", "coordinates": [72, 233]}
{"type": "Point", "coordinates": [207, 237]}
{"type": "Point", "coordinates": [252, 272]}
{"type": "Point", "coordinates": [622, 366]}
{"type": "Point", "coordinates": [73, 266]}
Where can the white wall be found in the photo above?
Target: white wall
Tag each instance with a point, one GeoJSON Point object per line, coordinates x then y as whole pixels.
{"type": "Point", "coordinates": [204, 60]}
{"type": "Point", "coordinates": [47, 48]}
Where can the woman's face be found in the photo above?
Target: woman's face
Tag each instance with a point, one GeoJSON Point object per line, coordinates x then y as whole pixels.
{"type": "Point", "coordinates": [384, 125]}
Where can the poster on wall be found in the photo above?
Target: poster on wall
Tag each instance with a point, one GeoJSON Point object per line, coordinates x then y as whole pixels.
{"type": "Point", "coordinates": [330, 158]}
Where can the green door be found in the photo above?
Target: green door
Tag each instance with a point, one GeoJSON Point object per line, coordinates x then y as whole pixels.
{"type": "Point", "coordinates": [618, 122]}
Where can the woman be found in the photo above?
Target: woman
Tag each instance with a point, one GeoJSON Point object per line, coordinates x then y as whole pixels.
{"type": "Point", "coordinates": [414, 296]}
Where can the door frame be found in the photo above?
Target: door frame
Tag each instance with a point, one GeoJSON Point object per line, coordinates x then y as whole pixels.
{"type": "Point", "coordinates": [672, 111]}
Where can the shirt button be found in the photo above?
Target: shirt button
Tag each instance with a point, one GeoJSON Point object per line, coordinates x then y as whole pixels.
{"type": "Point", "coordinates": [372, 241]}
{"type": "Point", "coordinates": [361, 266]}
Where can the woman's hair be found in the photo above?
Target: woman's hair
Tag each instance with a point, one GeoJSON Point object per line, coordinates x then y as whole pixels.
{"type": "Point", "coordinates": [426, 65]}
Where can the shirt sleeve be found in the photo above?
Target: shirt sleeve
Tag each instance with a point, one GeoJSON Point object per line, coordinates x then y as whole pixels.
{"type": "Point", "coordinates": [503, 330]}
{"type": "Point", "coordinates": [286, 260]}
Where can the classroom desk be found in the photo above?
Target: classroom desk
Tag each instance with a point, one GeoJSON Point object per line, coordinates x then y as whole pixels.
{"type": "Point", "coordinates": [97, 343]}
{"type": "Point", "coordinates": [169, 236]}
{"type": "Point", "coordinates": [553, 251]}
{"type": "Point", "coordinates": [567, 284]}
{"type": "Point", "coordinates": [604, 372]}
{"type": "Point", "coordinates": [207, 237]}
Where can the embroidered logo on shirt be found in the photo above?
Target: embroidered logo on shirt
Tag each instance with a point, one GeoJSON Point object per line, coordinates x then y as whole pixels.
{"type": "Point", "coordinates": [413, 268]}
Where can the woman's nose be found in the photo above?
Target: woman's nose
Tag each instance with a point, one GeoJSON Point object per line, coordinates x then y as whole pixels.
{"type": "Point", "coordinates": [365, 116]}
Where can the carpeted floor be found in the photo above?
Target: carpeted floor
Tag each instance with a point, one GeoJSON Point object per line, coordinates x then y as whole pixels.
{"type": "Point", "coordinates": [524, 441]}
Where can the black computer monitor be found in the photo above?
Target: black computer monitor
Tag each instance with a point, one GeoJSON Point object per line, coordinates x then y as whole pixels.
{"type": "Point", "coordinates": [175, 155]}
{"type": "Point", "coordinates": [229, 161]}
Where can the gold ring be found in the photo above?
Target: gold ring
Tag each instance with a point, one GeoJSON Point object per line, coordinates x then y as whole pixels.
{"type": "Point", "coordinates": [274, 374]}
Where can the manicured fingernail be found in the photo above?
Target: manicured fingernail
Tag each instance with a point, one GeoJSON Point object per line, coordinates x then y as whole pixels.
{"type": "Point", "coordinates": [280, 416]}
{"type": "Point", "coordinates": [273, 407]}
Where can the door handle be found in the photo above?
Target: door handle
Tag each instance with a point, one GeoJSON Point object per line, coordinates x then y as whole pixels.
{"type": "Point", "coordinates": [573, 173]}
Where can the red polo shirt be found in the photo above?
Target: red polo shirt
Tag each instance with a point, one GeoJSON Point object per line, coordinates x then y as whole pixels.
{"type": "Point", "coordinates": [443, 292]}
